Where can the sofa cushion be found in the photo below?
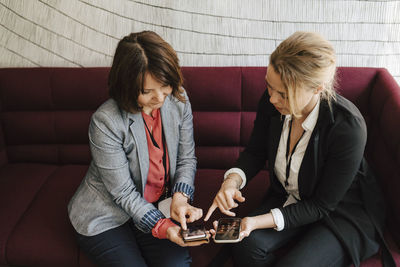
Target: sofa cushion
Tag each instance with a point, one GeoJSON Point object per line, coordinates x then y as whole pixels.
{"type": "Point", "coordinates": [213, 89]}
{"type": "Point", "coordinates": [38, 89]}
{"type": "Point", "coordinates": [355, 85]}
{"type": "Point", "coordinates": [216, 128]}
{"type": "Point", "coordinates": [43, 234]}
{"type": "Point", "coordinates": [47, 137]}
{"type": "Point", "coordinates": [216, 157]}
{"type": "Point", "coordinates": [20, 184]}
{"type": "Point", "coordinates": [45, 115]}
{"type": "Point", "coordinates": [253, 86]}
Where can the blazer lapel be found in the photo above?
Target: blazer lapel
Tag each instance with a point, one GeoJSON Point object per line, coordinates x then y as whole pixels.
{"type": "Point", "coordinates": [275, 135]}
{"type": "Point", "coordinates": [309, 169]}
{"type": "Point", "coordinates": [171, 132]}
{"type": "Point", "coordinates": [139, 135]}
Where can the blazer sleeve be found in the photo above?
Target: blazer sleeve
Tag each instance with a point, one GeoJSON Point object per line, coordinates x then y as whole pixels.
{"type": "Point", "coordinates": [106, 145]}
{"type": "Point", "coordinates": [345, 144]}
{"type": "Point", "coordinates": [255, 155]}
{"type": "Point", "coordinates": [186, 160]}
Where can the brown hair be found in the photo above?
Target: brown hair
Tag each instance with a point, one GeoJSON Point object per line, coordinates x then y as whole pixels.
{"type": "Point", "coordinates": [305, 60]}
{"type": "Point", "coordinates": [138, 54]}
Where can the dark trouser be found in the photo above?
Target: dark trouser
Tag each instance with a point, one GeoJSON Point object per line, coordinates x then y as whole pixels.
{"type": "Point", "coordinates": [316, 245]}
{"type": "Point", "coordinates": [128, 246]}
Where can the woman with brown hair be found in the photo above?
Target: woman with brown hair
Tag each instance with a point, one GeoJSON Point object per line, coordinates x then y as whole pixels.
{"type": "Point", "coordinates": [143, 162]}
{"type": "Point", "coordinates": [322, 193]}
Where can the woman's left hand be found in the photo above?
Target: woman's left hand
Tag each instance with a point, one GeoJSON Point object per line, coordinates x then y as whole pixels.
{"type": "Point", "coordinates": [174, 235]}
{"type": "Point", "coordinates": [247, 225]}
{"type": "Point", "coordinates": [182, 211]}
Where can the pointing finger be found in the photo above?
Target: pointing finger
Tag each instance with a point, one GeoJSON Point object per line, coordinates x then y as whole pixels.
{"type": "Point", "coordinates": [210, 211]}
{"type": "Point", "coordinates": [182, 220]}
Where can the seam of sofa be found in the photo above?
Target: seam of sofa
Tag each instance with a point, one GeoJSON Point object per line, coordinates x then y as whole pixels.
{"type": "Point", "coordinates": [370, 114]}
{"type": "Point", "coordinates": [3, 135]}
{"type": "Point", "coordinates": [4, 149]}
{"type": "Point", "coordinates": [54, 111]}
{"type": "Point", "coordinates": [376, 118]}
{"type": "Point", "coordinates": [372, 85]}
{"type": "Point", "coordinates": [24, 213]}
{"type": "Point", "coordinates": [372, 89]}
{"type": "Point", "coordinates": [241, 107]}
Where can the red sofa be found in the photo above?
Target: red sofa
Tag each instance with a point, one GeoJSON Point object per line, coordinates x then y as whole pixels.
{"type": "Point", "coordinates": [44, 153]}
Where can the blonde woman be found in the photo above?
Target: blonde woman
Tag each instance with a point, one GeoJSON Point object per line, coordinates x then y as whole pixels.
{"type": "Point", "coordinates": [314, 142]}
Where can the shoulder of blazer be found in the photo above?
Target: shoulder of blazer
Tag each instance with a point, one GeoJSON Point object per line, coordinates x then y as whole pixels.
{"type": "Point", "coordinates": [347, 107]}
{"type": "Point", "coordinates": [177, 102]}
{"type": "Point", "coordinates": [175, 106]}
{"type": "Point", "coordinates": [111, 113]}
{"type": "Point", "coordinates": [341, 120]}
{"type": "Point", "coordinates": [111, 116]}
{"type": "Point", "coordinates": [340, 109]}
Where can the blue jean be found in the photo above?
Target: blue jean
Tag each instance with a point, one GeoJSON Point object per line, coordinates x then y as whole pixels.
{"type": "Point", "coordinates": [128, 246]}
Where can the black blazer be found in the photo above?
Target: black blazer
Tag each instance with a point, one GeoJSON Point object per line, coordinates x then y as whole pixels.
{"type": "Point", "coordinates": [335, 184]}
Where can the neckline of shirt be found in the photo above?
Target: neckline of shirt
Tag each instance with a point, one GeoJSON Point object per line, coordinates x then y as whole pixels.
{"type": "Point", "coordinates": [311, 120]}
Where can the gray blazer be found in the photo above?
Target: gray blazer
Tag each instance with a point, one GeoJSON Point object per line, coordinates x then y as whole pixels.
{"type": "Point", "coordinates": [112, 191]}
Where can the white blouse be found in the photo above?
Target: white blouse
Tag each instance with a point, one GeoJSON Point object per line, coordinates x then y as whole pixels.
{"type": "Point", "coordinates": [280, 163]}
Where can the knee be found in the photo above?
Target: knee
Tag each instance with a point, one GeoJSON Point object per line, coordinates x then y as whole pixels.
{"type": "Point", "coordinates": [250, 252]}
{"type": "Point", "coordinates": [179, 258]}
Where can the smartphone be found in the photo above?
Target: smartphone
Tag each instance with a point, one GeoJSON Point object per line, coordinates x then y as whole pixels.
{"type": "Point", "coordinates": [228, 230]}
{"type": "Point", "coordinates": [194, 233]}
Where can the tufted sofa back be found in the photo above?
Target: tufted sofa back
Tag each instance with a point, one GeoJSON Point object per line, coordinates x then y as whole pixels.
{"type": "Point", "coordinates": [46, 112]}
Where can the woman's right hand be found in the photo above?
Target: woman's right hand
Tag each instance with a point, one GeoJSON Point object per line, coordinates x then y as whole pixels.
{"type": "Point", "coordinates": [174, 235]}
{"type": "Point", "coordinates": [226, 196]}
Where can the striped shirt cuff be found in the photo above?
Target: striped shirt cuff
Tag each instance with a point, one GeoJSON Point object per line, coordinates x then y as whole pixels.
{"type": "Point", "coordinates": [149, 220]}
{"type": "Point", "coordinates": [240, 173]}
{"type": "Point", "coordinates": [184, 188]}
{"type": "Point", "coordinates": [278, 219]}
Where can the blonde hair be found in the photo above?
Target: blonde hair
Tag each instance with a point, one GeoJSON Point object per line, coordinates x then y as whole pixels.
{"type": "Point", "coordinates": [305, 60]}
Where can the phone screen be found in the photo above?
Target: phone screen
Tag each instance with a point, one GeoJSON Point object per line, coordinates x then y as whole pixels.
{"type": "Point", "coordinates": [194, 233]}
{"type": "Point", "coordinates": [228, 230]}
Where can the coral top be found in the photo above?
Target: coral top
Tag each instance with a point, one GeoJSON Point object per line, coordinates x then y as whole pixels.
{"type": "Point", "coordinates": [156, 177]}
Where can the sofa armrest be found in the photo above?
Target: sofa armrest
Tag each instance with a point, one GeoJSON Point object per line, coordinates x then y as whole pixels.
{"type": "Point", "coordinates": [384, 150]}
{"type": "Point", "coordinates": [384, 108]}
